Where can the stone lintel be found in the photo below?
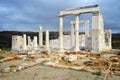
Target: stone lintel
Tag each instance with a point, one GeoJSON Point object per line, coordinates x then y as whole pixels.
{"type": "Point", "coordinates": [80, 10]}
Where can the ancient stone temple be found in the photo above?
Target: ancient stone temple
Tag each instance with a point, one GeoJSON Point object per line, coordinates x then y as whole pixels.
{"type": "Point", "coordinates": [97, 34]}
{"type": "Point", "coordinates": [96, 40]}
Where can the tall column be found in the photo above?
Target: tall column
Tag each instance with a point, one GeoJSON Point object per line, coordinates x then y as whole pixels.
{"type": "Point", "coordinates": [29, 42]}
{"type": "Point", "coordinates": [77, 33]}
{"type": "Point", "coordinates": [98, 41]}
{"type": "Point", "coordinates": [102, 34]}
{"type": "Point", "coordinates": [24, 41]}
{"type": "Point", "coordinates": [72, 35]}
{"type": "Point", "coordinates": [14, 42]}
{"type": "Point", "coordinates": [35, 45]}
{"type": "Point", "coordinates": [47, 40]}
{"type": "Point", "coordinates": [96, 32]}
{"type": "Point", "coordinates": [61, 33]}
{"type": "Point", "coordinates": [87, 34]}
{"type": "Point", "coordinates": [110, 39]}
{"type": "Point", "coordinates": [40, 36]}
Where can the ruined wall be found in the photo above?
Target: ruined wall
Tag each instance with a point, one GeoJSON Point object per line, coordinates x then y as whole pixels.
{"type": "Point", "coordinates": [54, 43]}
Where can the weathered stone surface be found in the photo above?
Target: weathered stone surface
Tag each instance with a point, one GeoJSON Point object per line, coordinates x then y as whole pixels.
{"type": "Point", "coordinates": [70, 58]}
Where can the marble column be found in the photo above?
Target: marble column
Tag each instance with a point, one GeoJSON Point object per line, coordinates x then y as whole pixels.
{"type": "Point", "coordinates": [29, 42]}
{"type": "Point", "coordinates": [61, 33]}
{"type": "Point", "coordinates": [35, 45]}
{"type": "Point", "coordinates": [40, 36]}
{"type": "Point", "coordinates": [24, 41]}
{"type": "Point", "coordinates": [96, 31]}
{"type": "Point", "coordinates": [110, 42]}
{"type": "Point", "coordinates": [87, 34]}
{"type": "Point", "coordinates": [72, 35]}
{"type": "Point", "coordinates": [109, 36]}
{"type": "Point", "coordinates": [77, 33]}
{"type": "Point", "coordinates": [14, 42]}
{"type": "Point", "coordinates": [102, 34]}
{"type": "Point", "coordinates": [47, 40]}
{"type": "Point", "coordinates": [98, 41]}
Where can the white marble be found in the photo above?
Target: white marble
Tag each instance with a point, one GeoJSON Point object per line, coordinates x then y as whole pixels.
{"type": "Point", "coordinates": [47, 40]}
{"type": "Point", "coordinates": [61, 34]}
{"type": "Point", "coordinates": [35, 45]}
{"type": "Point", "coordinates": [40, 36]}
{"type": "Point", "coordinates": [76, 33]}
{"type": "Point", "coordinates": [24, 41]}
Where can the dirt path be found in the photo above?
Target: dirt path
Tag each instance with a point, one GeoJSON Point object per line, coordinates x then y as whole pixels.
{"type": "Point", "coordinates": [49, 73]}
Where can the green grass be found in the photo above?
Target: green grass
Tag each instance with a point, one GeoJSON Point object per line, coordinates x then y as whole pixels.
{"type": "Point", "coordinates": [97, 72]}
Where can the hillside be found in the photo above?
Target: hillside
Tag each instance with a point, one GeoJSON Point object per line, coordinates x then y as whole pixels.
{"type": "Point", "coordinates": [5, 38]}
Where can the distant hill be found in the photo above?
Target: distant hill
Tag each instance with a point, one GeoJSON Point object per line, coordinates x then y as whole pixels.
{"type": "Point", "coordinates": [5, 37]}
{"type": "Point", "coordinates": [116, 41]}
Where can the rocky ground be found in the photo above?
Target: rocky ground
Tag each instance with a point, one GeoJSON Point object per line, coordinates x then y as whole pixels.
{"type": "Point", "coordinates": [39, 71]}
{"type": "Point", "coordinates": [48, 73]}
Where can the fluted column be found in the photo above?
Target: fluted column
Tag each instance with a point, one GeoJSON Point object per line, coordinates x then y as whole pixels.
{"type": "Point", "coordinates": [40, 36]}
{"type": "Point", "coordinates": [76, 33]}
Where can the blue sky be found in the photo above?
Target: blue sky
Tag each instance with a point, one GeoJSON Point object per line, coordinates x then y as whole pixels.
{"type": "Point", "coordinates": [27, 15]}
